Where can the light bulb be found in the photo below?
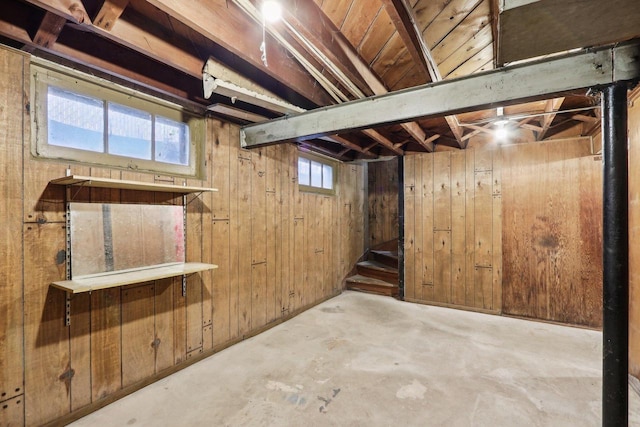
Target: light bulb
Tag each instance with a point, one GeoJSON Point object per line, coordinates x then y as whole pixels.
{"type": "Point", "coordinates": [501, 133]}
{"type": "Point", "coordinates": [271, 10]}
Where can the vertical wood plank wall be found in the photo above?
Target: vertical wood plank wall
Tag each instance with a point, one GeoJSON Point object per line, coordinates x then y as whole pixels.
{"type": "Point", "coordinates": [383, 201]}
{"type": "Point", "coordinates": [552, 200]}
{"type": "Point", "coordinates": [278, 250]}
{"type": "Point", "coordinates": [516, 230]}
{"type": "Point", "coordinates": [452, 229]}
{"type": "Point", "coordinates": [634, 236]}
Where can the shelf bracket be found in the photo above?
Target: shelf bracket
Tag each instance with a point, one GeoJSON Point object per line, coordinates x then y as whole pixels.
{"type": "Point", "coordinates": [67, 309]}
{"type": "Point", "coordinates": [184, 285]}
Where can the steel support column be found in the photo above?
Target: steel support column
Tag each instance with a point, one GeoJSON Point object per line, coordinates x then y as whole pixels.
{"type": "Point", "coordinates": [615, 395]}
{"type": "Point", "coordinates": [401, 227]}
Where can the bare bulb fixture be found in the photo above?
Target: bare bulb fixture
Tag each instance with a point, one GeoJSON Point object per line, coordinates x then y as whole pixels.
{"type": "Point", "coordinates": [271, 10]}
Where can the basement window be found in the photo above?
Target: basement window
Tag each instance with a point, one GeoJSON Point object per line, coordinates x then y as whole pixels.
{"type": "Point", "coordinates": [315, 174]}
{"type": "Point", "coordinates": [85, 119]}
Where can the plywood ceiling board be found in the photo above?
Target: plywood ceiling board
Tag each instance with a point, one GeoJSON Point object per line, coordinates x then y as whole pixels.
{"type": "Point", "coordinates": [452, 15]}
{"type": "Point", "coordinates": [462, 33]}
{"type": "Point", "coordinates": [412, 76]}
{"type": "Point", "coordinates": [427, 10]}
{"type": "Point", "coordinates": [470, 66]}
{"type": "Point", "coordinates": [390, 54]}
{"type": "Point", "coordinates": [359, 19]}
{"type": "Point", "coordinates": [336, 10]}
{"type": "Point", "coordinates": [472, 46]}
{"type": "Point", "coordinates": [377, 37]}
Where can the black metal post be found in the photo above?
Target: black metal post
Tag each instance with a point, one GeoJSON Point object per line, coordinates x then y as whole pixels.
{"type": "Point", "coordinates": [401, 227]}
{"type": "Point", "coordinates": [615, 392]}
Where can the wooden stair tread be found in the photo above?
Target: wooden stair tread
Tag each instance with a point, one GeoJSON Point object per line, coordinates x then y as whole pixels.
{"type": "Point", "coordinates": [364, 280]}
{"type": "Point", "coordinates": [374, 265]}
{"type": "Point", "coordinates": [390, 254]}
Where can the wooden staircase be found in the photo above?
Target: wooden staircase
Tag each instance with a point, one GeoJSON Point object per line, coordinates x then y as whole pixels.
{"type": "Point", "coordinates": [377, 275]}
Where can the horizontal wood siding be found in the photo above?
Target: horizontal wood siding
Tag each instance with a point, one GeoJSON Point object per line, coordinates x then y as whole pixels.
{"type": "Point", "coordinates": [254, 228]}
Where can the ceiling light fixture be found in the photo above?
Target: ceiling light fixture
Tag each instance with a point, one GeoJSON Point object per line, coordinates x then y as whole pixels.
{"type": "Point", "coordinates": [501, 132]}
{"type": "Point", "coordinates": [271, 12]}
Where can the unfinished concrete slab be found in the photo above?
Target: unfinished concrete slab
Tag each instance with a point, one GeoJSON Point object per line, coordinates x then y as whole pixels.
{"type": "Point", "coordinates": [366, 360]}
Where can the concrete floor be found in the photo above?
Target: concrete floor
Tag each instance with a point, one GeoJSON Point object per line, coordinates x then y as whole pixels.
{"type": "Point", "coordinates": [365, 360]}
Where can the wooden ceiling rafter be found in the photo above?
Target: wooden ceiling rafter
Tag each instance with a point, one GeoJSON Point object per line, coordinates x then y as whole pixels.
{"type": "Point", "coordinates": [552, 105]}
{"type": "Point", "coordinates": [405, 21]}
{"type": "Point", "coordinates": [310, 21]}
{"type": "Point", "coordinates": [109, 13]}
{"type": "Point", "coordinates": [48, 31]}
{"type": "Point", "coordinates": [222, 22]}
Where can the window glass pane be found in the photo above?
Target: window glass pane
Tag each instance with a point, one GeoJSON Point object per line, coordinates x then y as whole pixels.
{"type": "Point", "coordinates": [129, 132]}
{"type": "Point", "coordinates": [303, 171]}
{"type": "Point", "coordinates": [327, 177]}
{"type": "Point", "coordinates": [172, 141]}
{"type": "Point", "coordinates": [316, 174]}
{"type": "Point", "coordinates": [74, 121]}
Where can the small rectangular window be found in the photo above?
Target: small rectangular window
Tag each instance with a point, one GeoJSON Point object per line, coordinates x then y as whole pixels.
{"type": "Point", "coordinates": [75, 121]}
{"type": "Point", "coordinates": [129, 132]}
{"type": "Point", "coordinates": [85, 119]}
{"type": "Point", "coordinates": [316, 175]}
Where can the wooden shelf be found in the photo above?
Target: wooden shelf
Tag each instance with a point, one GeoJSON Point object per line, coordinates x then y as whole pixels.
{"type": "Point", "coordinates": [89, 181]}
{"type": "Point", "coordinates": [126, 277]}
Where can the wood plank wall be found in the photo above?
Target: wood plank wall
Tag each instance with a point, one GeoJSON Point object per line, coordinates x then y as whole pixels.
{"type": "Point", "coordinates": [453, 228]}
{"type": "Point", "coordinates": [278, 250]}
{"type": "Point", "coordinates": [634, 235]}
{"type": "Point", "coordinates": [552, 208]}
{"type": "Point", "coordinates": [382, 191]}
{"type": "Point", "coordinates": [516, 230]}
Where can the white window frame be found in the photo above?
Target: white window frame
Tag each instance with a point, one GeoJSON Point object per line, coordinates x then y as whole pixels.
{"type": "Point", "coordinates": [45, 74]}
{"type": "Point", "coordinates": [325, 162]}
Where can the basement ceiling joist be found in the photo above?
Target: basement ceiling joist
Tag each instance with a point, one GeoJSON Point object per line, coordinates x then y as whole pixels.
{"type": "Point", "coordinates": [518, 83]}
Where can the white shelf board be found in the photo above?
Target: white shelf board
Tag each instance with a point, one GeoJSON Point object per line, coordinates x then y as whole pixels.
{"type": "Point", "coordinates": [90, 181]}
{"type": "Point", "coordinates": [126, 277]}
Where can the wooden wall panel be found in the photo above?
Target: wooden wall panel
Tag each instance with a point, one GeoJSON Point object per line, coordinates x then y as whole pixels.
{"type": "Point", "coordinates": [12, 71]}
{"type": "Point", "coordinates": [409, 227]}
{"type": "Point", "coordinates": [454, 226]}
{"type": "Point", "coordinates": [106, 350]}
{"type": "Point", "coordinates": [634, 236]}
{"type": "Point", "coordinates": [80, 350]}
{"type": "Point", "coordinates": [458, 229]}
{"type": "Point", "coordinates": [138, 333]}
{"type": "Point", "coordinates": [163, 344]}
{"type": "Point", "coordinates": [552, 238]}
{"type": "Point", "coordinates": [426, 193]}
{"type": "Point", "coordinates": [442, 191]}
{"type": "Point", "coordinates": [12, 412]}
{"type": "Point", "coordinates": [47, 364]}
{"type": "Point", "coordinates": [383, 201]}
{"type": "Point", "coordinates": [442, 262]}
{"type": "Point", "coordinates": [124, 336]}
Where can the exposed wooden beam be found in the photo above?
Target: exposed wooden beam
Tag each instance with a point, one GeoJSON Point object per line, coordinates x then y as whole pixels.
{"type": "Point", "coordinates": [109, 13]}
{"type": "Point", "coordinates": [48, 32]}
{"type": "Point", "coordinates": [405, 21]}
{"type": "Point", "coordinates": [506, 86]}
{"type": "Point", "coordinates": [550, 26]}
{"type": "Point", "coordinates": [494, 8]}
{"type": "Point", "coordinates": [73, 10]}
{"type": "Point", "coordinates": [547, 119]}
{"type": "Point", "coordinates": [181, 56]}
{"type": "Point", "coordinates": [305, 20]}
{"type": "Point", "coordinates": [225, 24]}
{"type": "Point", "coordinates": [382, 140]}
